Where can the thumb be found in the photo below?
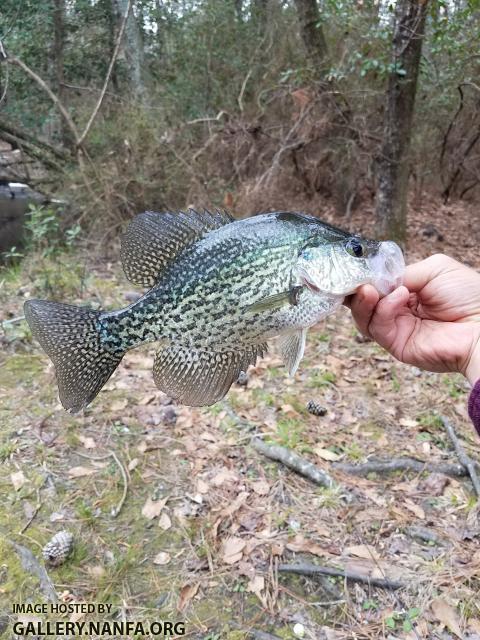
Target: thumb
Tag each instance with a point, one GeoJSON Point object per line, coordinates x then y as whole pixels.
{"type": "Point", "coordinates": [383, 327]}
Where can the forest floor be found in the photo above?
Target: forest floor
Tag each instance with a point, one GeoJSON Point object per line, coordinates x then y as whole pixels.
{"type": "Point", "coordinates": [207, 520]}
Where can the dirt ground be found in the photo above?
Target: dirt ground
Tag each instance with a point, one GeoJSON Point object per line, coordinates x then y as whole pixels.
{"type": "Point", "coordinates": [176, 516]}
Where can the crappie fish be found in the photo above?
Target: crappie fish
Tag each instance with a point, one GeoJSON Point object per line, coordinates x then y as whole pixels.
{"type": "Point", "coordinates": [219, 290]}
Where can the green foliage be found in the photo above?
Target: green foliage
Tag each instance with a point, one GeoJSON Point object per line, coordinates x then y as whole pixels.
{"type": "Point", "coordinates": [44, 233]}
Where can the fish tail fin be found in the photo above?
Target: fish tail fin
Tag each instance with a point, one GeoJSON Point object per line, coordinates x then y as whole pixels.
{"type": "Point", "coordinates": [70, 336]}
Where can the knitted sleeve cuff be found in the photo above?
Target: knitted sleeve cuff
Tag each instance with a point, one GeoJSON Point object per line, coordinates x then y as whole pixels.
{"type": "Point", "coordinates": [474, 406]}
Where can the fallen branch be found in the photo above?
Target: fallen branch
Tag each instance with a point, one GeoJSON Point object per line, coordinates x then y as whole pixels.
{"type": "Point", "coordinates": [312, 570]}
{"type": "Point", "coordinates": [465, 460]}
{"type": "Point", "coordinates": [293, 461]}
{"type": "Point", "coordinates": [32, 151]}
{"type": "Point", "coordinates": [25, 136]}
{"type": "Point", "coordinates": [400, 464]}
{"type": "Point", "coordinates": [32, 566]}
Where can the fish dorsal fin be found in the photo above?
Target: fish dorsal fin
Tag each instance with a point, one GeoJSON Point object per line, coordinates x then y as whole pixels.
{"type": "Point", "coordinates": [199, 377]}
{"type": "Point", "coordinates": [152, 240]}
{"type": "Point", "coordinates": [292, 346]}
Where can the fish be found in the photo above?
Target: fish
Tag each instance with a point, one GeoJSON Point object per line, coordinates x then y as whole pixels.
{"type": "Point", "coordinates": [218, 291]}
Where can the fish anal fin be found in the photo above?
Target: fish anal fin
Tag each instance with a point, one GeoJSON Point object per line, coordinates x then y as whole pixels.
{"type": "Point", "coordinates": [292, 347]}
{"type": "Point", "coordinates": [152, 240]}
{"type": "Point", "coordinates": [198, 377]}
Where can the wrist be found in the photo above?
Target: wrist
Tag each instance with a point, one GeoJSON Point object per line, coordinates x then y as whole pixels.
{"type": "Point", "coordinates": [472, 368]}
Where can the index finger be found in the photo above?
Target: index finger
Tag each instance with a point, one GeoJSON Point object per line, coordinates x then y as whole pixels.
{"type": "Point", "coordinates": [419, 274]}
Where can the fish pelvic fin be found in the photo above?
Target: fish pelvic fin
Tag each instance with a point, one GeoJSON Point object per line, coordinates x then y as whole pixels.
{"type": "Point", "coordinates": [70, 337]}
{"type": "Point", "coordinates": [153, 240]}
{"type": "Point", "coordinates": [199, 377]}
{"type": "Point", "coordinates": [292, 347]}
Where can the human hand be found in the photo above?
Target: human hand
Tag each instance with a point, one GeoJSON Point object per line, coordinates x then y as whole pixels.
{"type": "Point", "coordinates": [432, 322]}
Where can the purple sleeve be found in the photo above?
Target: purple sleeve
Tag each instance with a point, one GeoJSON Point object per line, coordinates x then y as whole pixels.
{"type": "Point", "coordinates": [474, 406]}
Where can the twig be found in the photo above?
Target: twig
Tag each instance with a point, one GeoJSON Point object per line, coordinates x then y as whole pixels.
{"type": "Point", "coordinates": [95, 111]}
{"type": "Point", "coordinates": [242, 90]}
{"type": "Point", "coordinates": [465, 460]}
{"type": "Point", "coordinates": [293, 461]}
{"type": "Point", "coordinates": [400, 464]}
{"type": "Point", "coordinates": [111, 454]}
{"type": "Point", "coordinates": [31, 565]}
{"type": "Point", "coordinates": [13, 320]}
{"type": "Point", "coordinates": [305, 569]}
{"type": "Point", "coordinates": [31, 519]}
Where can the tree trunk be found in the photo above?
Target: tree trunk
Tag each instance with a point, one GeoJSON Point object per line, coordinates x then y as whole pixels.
{"type": "Point", "coordinates": [134, 51]}
{"type": "Point", "coordinates": [58, 78]}
{"type": "Point", "coordinates": [393, 165]}
{"type": "Point", "coordinates": [312, 34]}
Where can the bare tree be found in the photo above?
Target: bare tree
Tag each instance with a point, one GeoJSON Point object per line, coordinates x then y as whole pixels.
{"type": "Point", "coordinates": [393, 164]}
{"type": "Point", "coordinates": [312, 34]}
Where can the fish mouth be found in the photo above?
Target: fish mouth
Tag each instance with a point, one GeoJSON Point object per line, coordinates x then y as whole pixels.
{"type": "Point", "coordinates": [388, 265]}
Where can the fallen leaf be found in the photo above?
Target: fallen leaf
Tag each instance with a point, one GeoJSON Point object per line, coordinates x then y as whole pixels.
{"type": "Point", "coordinates": [308, 546]}
{"type": "Point", "coordinates": [162, 558]}
{"type": "Point", "coordinates": [232, 550]}
{"type": "Point", "coordinates": [187, 592]}
{"type": "Point", "coordinates": [223, 476]}
{"type": "Point", "coordinates": [447, 615]}
{"type": "Point", "coordinates": [119, 405]}
{"type": "Point", "coordinates": [142, 447]}
{"type": "Point", "coordinates": [365, 551]}
{"type": "Point", "coordinates": [407, 422]}
{"type": "Point", "coordinates": [415, 508]}
{"type": "Point", "coordinates": [278, 548]}
{"type": "Point", "coordinates": [474, 625]}
{"type": "Point", "coordinates": [80, 472]}
{"type": "Point", "coordinates": [209, 437]}
{"type": "Point", "coordinates": [256, 586]}
{"type": "Point", "coordinates": [147, 398]}
{"type": "Point", "coordinates": [288, 409]}
{"type": "Point", "coordinates": [202, 486]}
{"type": "Point", "coordinates": [57, 516]}
{"type": "Point", "coordinates": [434, 484]}
{"type": "Point", "coordinates": [261, 487]}
{"type": "Point", "coordinates": [326, 454]}
{"type": "Point", "coordinates": [153, 508]}
{"type": "Point", "coordinates": [133, 464]}
{"type": "Point", "coordinates": [164, 521]}
{"type": "Point", "coordinates": [18, 480]}
{"type": "Point", "coordinates": [76, 616]}
{"type": "Point", "coordinates": [97, 571]}
{"type": "Point", "coordinates": [88, 442]}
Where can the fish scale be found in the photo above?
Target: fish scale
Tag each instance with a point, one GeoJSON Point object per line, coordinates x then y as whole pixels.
{"type": "Point", "coordinates": [220, 289]}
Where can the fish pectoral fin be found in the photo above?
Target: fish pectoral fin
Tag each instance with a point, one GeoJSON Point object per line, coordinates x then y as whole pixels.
{"type": "Point", "coordinates": [292, 347]}
{"type": "Point", "coordinates": [153, 240]}
{"type": "Point", "coordinates": [276, 301]}
{"type": "Point", "coordinates": [199, 377]}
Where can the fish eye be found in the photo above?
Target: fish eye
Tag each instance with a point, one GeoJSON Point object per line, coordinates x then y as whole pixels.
{"type": "Point", "coordinates": [355, 248]}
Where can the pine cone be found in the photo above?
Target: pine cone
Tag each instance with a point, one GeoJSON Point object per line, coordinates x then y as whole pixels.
{"type": "Point", "coordinates": [56, 551]}
{"type": "Point", "coordinates": [315, 408]}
